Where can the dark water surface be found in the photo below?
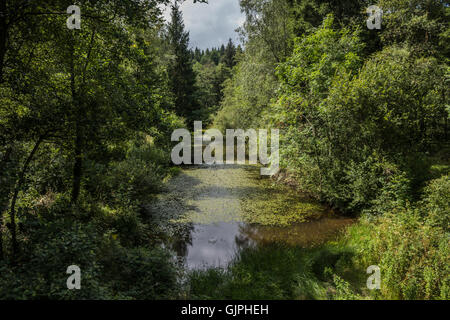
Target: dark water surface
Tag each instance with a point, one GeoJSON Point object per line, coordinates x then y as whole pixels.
{"type": "Point", "coordinates": [213, 212]}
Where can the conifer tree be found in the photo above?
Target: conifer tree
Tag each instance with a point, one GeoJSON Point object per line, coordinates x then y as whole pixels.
{"type": "Point", "coordinates": [230, 52]}
{"type": "Point", "coordinates": [180, 71]}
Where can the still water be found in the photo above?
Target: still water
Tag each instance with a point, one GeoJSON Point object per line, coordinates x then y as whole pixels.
{"type": "Point", "coordinates": [213, 212]}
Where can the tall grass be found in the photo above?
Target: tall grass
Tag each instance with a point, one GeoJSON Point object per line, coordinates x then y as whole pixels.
{"type": "Point", "coordinates": [274, 272]}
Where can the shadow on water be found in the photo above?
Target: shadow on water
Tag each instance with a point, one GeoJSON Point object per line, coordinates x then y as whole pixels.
{"type": "Point", "coordinates": [214, 212]}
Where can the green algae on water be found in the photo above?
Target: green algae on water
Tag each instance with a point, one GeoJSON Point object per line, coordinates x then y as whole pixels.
{"type": "Point", "coordinates": [233, 193]}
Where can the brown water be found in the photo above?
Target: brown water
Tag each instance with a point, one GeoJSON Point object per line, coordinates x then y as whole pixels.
{"type": "Point", "coordinates": [212, 212]}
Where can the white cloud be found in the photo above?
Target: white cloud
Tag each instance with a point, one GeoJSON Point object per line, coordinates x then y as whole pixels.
{"type": "Point", "coordinates": [212, 24]}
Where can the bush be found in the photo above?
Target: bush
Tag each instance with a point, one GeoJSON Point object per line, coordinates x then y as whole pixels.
{"type": "Point", "coordinates": [107, 244]}
{"type": "Point", "coordinates": [141, 273]}
{"type": "Point", "coordinates": [436, 205]}
{"type": "Point", "coordinates": [354, 136]}
{"type": "Point", "coordinates": [41, 271]}
{"type": "Point", "coordinates": [136, 176]}
{"type": "Point", "coordinates": [412, 255]}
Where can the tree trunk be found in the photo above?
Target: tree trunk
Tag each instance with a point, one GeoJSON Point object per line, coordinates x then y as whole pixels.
{"type": "Point", "coordinates": [1, 234]}
{"type": "Point", "coordinates": [78, 165]}
{"type": "Point", "coordinates": [3, 207]}
{"type": "Point", "coordinates": [3, 36]}
{"type": "Point", "coordinates": [16, 193]}
{"type": "Point", "coordinates": [77, 168]}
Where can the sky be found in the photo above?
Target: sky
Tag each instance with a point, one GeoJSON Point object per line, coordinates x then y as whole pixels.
{"type": "Point", "coordinates": [211, 25]}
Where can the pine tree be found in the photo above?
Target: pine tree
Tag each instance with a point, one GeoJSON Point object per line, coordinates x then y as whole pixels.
{"type": "Point", "coordinates": [215, 56]}
{"type": "Point", "coordinates": [230, 52]}
{"type": "Point", "coordinates": [180, 71]}
{"type": "Point", "coordinates": [197, 54]}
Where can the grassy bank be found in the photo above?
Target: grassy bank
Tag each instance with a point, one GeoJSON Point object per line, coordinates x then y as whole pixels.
{"type": "Point", "coordinates": [409, 244]}
{"type": "Point", "coordinates": [273, 272]}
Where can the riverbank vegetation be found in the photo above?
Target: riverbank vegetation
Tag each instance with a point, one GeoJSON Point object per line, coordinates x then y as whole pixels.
{"type": "Point", "coordinates": [409, 244]}
{"type": "Point", "coordinates": [86, 117]}
{"type": "Point", "coordinates": [364, 121]}
{"type": "Point", "coordinates": [85, 122]}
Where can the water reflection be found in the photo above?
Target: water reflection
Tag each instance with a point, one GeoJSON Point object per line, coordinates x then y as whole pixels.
{"type": "Point", "coordinates": [212, 212]}
{"type": "Point", "coordinates": [183, 240]}
{"type": "Point", "coordinates": [304, 234]}
{"type": "Point", "coordinates": [215, 245]}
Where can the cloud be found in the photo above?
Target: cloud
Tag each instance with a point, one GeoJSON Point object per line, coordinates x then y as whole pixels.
{"type": "Point", "coordinates": [211, 25]}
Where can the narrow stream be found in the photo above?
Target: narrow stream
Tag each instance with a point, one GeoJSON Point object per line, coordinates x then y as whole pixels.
{"type": "Point", "coordinates": [213, 212]}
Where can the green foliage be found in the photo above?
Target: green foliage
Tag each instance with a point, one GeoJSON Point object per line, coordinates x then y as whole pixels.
{"type": "Point", "coordinates": [355, 135]}
{"type": "Point", "coordinates": [180, 72]}
{"type": "Point", "coordinates": [249, 91]}
{"type": "Point", "coordinates": [247, 95]}
{"type": "Point", "coordinates": [85, 123]}
{"type": "Point", "coordinates": [269, 25]}
{"type": "Point", "coordinates": [436, 203]}
{"type": "Point", "coordinates": [209, 82]}
{"type": "Point", "coordinates": [317, 58]}
{"type": "Point", "coordinates": [409, 244]}
{"type": "Point", "coordinates": [51, 248]}
{"type": "Point", "coordinates": [364, 122]}
{"type": "Point", "coordinates": [412, 256]}
{"type": "Point", "coordinates": [136, 176]}
{"type": "Point", "coordinates": [271, 272]}
{"type": "Point", "coordinates": [309, 124]}
{"type": "Point", "coordinates": [278, 271]}
{"type": "Point", "coordinates": [421, 24]}
{"type": "Point", "coordinates": [343, 290]}
{"type": "Point", "coordinates": [138, 273]}
{"type": "Point", "coordinates": [141, 273]}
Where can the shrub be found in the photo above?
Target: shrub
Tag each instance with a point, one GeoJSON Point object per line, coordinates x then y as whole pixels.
{"type": "Point", "coordinates": [41, 271]}
{"type": "Point", "coordinates": [141, 273]}
{"type": "Point", "coordinates": [437, 203]}
{"type": "Point", "coordinates": [412, 255]}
